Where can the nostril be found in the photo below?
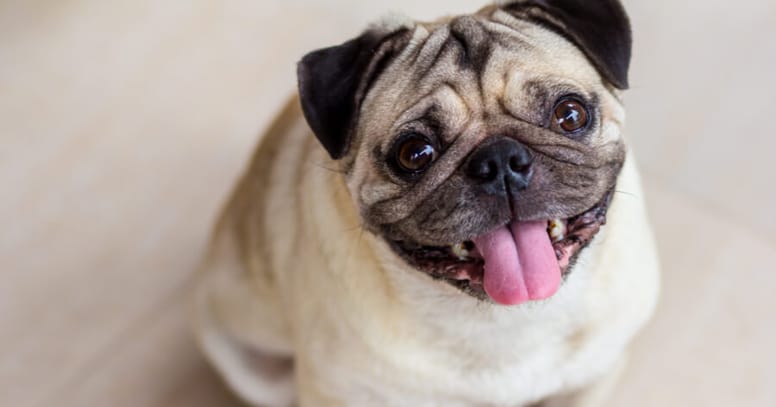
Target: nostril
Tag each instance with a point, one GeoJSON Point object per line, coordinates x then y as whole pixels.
{"type": "Point", "coordinates": [486, 170]}
{"type": "Point", "coordinates": [500, 162]}
{"type": "Point", "coordinates": [492, 170]}
{"type": "Point", "coordinates": [513, 165]}
{"type": "Point", "coordinates": [517, 165]}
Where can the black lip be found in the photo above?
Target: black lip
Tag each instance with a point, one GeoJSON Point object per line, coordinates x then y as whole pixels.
{"type": "Point", "coordinates": [436, 261]}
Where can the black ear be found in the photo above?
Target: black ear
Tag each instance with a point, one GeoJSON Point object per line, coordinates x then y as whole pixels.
{"type": "Point", "coordinates": [600, 28]}
{"type": "Point", "coordinates": [333, 82]}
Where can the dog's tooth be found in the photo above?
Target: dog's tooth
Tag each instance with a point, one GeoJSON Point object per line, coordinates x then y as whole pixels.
{"type": "Point", "coordinates": [460, 251]}
{"type": "Point", "coordinates": [557, 230]}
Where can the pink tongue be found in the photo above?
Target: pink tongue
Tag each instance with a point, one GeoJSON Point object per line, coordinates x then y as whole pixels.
{"type": "Point", "coordinates": [520, 263]}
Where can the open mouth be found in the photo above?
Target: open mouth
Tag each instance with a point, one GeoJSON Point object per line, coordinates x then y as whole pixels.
{"type": "Point", "coordinates": [516, 263]}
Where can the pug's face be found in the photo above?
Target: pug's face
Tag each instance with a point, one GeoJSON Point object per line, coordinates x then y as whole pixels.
{"type": "Point", "coordinates": [484, 149]}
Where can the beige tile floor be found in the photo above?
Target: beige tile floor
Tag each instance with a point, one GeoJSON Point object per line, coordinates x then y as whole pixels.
{"type": "Point", "coordinates": [124, 123]}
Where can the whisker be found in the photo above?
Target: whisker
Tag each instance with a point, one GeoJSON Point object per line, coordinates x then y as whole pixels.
{"type": "Point", "coordinates": [334, 170]}
{"type": "Point", "coordinates": [626, 193]}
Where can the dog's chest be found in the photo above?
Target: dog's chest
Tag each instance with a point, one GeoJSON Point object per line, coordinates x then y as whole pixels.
{"type": "Point", "coordinates": [369, 366]}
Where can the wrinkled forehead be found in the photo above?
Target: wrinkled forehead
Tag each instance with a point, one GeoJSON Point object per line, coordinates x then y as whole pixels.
{"type": "Point", "coordinates": [483, 57]}
{"type": "Point", "coordinates": [471, 72]}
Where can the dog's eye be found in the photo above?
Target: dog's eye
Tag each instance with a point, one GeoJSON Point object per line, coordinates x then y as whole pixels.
{"type": "Point", "coordinates": [570, 116]}
{"type": "Point", "coordinates": [415, 154]}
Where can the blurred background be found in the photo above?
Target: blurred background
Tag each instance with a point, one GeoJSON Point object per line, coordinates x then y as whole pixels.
{"type": "Point", "coordinates": [124, 123]}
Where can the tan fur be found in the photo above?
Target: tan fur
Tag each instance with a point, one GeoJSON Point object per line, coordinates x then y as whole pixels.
{"type": "Point", "coordinates": [473, 105]}
{"type": "Point", "coordinates": [293, 275]}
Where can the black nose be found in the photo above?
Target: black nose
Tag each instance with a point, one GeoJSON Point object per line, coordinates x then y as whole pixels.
{"type": "Point", "coordinates": [502, 165]}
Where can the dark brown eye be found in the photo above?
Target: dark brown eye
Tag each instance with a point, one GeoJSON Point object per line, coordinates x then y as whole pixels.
{"type": "Point", "coordinates": [570, 116]}
{"type": "Point", "coordinates": [415, 154]}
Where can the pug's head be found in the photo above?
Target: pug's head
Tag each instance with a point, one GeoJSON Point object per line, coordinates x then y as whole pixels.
{"type": "Point", "coordinates": [482, 148]}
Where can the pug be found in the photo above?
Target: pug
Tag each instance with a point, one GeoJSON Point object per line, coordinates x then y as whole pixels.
{"type": "Point", "coordinates": [446, 215]}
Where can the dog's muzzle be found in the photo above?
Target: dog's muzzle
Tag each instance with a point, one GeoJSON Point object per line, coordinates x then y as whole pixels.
{"type": "Point", "coordinates": [503, 167]}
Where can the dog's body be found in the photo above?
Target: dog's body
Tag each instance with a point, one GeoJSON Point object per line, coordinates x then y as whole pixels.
{"type": "Point", "coordinates": [301, 301]}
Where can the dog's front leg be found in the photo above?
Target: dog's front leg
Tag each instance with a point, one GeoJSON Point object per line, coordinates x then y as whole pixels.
{"type": "Point", "coordinates": [241, 327]}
